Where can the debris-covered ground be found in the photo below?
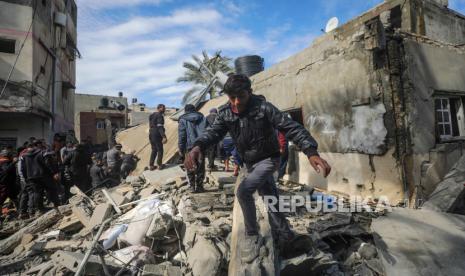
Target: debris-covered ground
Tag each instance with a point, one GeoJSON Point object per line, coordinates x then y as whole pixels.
{"type": "Point", "coordinates": [153, 225]}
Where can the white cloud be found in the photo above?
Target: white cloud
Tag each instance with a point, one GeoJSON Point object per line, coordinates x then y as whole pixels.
{"type": "Point", "coordinates": [108, 4]}
{"type": "Point", "coordinates": [143, 55]}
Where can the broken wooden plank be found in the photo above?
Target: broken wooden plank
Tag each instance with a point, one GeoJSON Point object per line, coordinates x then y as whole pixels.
{"type": "Point", "coordinates": [51, 217]}
{"type": "Point", "coordinates": [265, 264]}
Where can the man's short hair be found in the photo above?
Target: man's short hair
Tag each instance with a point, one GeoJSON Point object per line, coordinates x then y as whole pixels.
{"type": "Point", "coordinates": [189, 108]}
{"type": "Point", "coordinates": [160, 106]}
{"type": "Point", "coordinates": [236, 84]}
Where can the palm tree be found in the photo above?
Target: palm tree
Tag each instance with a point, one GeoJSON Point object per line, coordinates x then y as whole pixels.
{"type": "Point", "coordinates": [201, 71]}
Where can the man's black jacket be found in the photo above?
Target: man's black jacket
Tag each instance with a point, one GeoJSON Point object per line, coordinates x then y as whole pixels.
{"type": "Point", "coordinates": [38, 164]}
{"type": "Point", "coordinates": [254, 131]}
{"type": "Point", "coordinates": [157, 126]}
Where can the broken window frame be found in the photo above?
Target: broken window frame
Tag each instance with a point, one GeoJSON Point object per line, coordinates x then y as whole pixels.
{"type": "Point", "coordinates": [449, 111]}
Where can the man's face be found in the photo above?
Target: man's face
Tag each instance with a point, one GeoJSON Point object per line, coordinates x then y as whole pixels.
{"type": "Point", "coordinates": [162, 109]}
{"type": "Point", "coordinates": [239, 101]}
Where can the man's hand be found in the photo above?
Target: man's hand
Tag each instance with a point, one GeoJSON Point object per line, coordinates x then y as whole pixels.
{"type": "Point", "coordinates": [164, 140]}
{"type": "Point", "coordinates": [319, 164]}
{"type": "Point", "coordinates": [192, 159]}
{"type": "Point", "coordinates": [56, 177]}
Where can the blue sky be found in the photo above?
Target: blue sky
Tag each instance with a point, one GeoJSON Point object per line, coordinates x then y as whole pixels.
{"type": "Point", "coordinates": [138, 46]}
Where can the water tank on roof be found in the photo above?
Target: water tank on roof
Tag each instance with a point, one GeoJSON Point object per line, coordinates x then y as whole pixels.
{"type": "Point", "coordinates": [120, 94]}
{"type": "Point", "coordinates": [104, 102]}
{"type": "Point", "coordinates": [249, 65]}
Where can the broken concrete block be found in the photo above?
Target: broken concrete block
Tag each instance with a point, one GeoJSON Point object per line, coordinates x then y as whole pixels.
{"type": "Point", "coordinates": [204, 258]}
{"type": "Point", "coordinates": [70, 224]}
{"type": "Point", "coordinates": [161, 224]}
{"type": "Point", "coordinates": [367, 251]}
{"type": "Point", "coordinates": [147, 191]}
{"type": "Point", "coordinates": [133, 255]}
{"type": "Point", "coordinates": [163, 269]}
{"type": "Point", "coordinates": [101, 212]}
{"type": "Point", "coordinates": [449, 195]}
{"type": "Point", "coordinates": [27, 238]}
{"type": "Point", "coordinates": [71, 261]}
{"type": "Point", "coordinates": [52, 235]}
{"type": "Point", "coordinates": [82, 215]}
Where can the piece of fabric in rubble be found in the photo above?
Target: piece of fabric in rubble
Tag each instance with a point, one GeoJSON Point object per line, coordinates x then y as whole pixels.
{"type": "Point", "coordinates": [138, 221]}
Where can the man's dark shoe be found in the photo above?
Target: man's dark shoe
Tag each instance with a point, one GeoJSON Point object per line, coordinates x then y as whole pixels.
{"type": "Point", "coordinates": [161, 167]}
{"type": "Point", "coordinates": [250, 249]}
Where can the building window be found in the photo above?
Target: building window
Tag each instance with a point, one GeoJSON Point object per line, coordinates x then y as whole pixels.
{"type": "Point", "coordinates": [142, 109]}
{"type": "Point", "coordinates": [100, 124]}
{"type": "Point", "coordinates": [449, 117]}
{"type": "Point", "coordinates": [7, 46]}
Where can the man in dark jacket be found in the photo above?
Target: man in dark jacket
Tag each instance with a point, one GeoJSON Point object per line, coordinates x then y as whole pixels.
{"type": "Point", "coordinates": [40, 172]}
{"type": "Point", "coordinates": [7, 177]}
{"type": "Point", "coordinates": [252, 122]}
{"type": "Point", "coordinates": [211, 152]}
{"type": "Point", "coordinates": [191, 125]}
{"type": "Point", "coordinates": [157, 136]}
{"type": "Point", "coordinates": [98, 175]}
{"type": "Point", "coordinates": [128, 163]}
{"type": "Point", "coordinates": [79, 162]}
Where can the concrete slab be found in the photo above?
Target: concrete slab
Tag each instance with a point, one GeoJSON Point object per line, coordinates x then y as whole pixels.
{"type": "Point", "coordinates": [449, 195]}
{"type": "Point", "coordinates": [421, 242]}
{"type": "Point", "coordinates": [101, 212]}
{"type": "Point", "coordinates": [221, 179]}
{"type": "Point", "coordinates": [161, 176]}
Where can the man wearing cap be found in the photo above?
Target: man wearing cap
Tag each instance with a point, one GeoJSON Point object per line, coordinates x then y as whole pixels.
{"type": "Point", "coordinates": [157, 136]}
{"type": "Point", "coordinates": [252, 123]}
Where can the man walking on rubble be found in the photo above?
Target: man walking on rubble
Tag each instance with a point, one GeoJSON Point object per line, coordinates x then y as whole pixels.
{"type": "Point", "coordinates": [252, 122]}
{"type": "Point", "coordinates": [191, 126]}
{"type": "Point", "coordinates": [157, 136]}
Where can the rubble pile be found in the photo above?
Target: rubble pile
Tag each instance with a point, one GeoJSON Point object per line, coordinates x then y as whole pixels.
{"type": "Point", "coordinates": [153, 225]}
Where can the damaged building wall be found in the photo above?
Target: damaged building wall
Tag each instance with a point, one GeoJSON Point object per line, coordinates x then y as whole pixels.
{"type": "Point", "coordinates": [42, 82]}
{"type": "Point", "coordinates": [436, 71]}
{"type": "Point", "coordinates": [341, 93]}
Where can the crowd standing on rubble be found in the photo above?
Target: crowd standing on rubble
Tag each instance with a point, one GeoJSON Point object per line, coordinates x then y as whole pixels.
{"type": "Point", "coordinates": [37, 171]}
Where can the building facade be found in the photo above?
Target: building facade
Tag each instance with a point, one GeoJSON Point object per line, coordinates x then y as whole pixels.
{"type": "Point", "coordinates": [99, 117]}
{"type": "Point", "coordinates": [37, 68]}
{"type": "Point", "coordinates": [384, 96]}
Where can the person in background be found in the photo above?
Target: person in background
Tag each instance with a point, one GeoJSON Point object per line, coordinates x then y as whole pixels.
{"type": "Point", "coordinates": [78, 162]}
{"type": "Point", "coordinates": [8, 178]}
{"type": "Point", "coordinates": [114, 162]}
{"type": "Point", "coordinates": [229, 150]}
{"type": "Point", "coordinates": [284, 154]}
{"type": "Point", "coordinates": [157, 137]}
{"type": "Point", "coordinates": [129, 162]}
{"type": "Point", "coordinates": [39, 172]}
{"type": "Point", "coordinates": [191, 125]}
{"type": "Point", "coordinates": [66, 179]}
{"type": "Point", "coordinates": [97, 174]}
{"type": "Point", "coordinates": [212, 151]}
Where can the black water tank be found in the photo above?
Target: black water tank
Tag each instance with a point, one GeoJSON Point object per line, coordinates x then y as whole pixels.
{"type": "Point", "coordinates": [249, 65]}
{"type": "Point", "coordinates": [104, 102]}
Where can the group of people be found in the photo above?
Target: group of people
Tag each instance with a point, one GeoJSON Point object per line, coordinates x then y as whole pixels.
{"type": "Point", "coordinates": [37, 171]}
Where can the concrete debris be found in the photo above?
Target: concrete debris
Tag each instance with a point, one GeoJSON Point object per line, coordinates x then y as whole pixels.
{"type": "Point", "coordinates": [167, 230]}
{"type": "Point", "coordinates": [449, 195]}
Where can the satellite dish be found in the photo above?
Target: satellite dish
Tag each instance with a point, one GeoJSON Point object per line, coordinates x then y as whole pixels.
{"type": "Point", "coordinates": [332, 24]}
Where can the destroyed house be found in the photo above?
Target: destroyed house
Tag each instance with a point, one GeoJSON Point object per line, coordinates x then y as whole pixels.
{"type": "Point", "coordinates": [383, 95]}
{"type": "Point", "coordinates": [37, 69]}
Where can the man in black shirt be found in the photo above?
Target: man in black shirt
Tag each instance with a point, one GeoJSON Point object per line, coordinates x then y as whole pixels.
{"type": "Point", "coordinates": [157, 136]}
